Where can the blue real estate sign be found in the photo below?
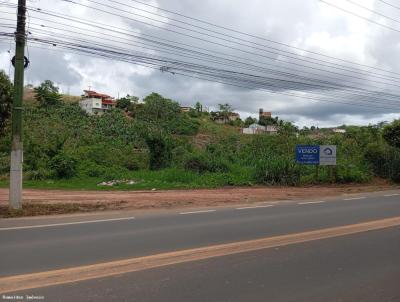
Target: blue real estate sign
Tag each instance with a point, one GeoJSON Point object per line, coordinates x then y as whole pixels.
{"type": "Point", "coordinates": [316, 155]}
{"type": "Point", "coordinates": [307, 154]}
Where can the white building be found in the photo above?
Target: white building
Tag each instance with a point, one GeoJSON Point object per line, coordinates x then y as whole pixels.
{"type": "Point", "coordinates": [96, 103]}
{"type": "Point", "coordinates": [259, 129]}
{"type": "Point", "coordinates": [337, 130]}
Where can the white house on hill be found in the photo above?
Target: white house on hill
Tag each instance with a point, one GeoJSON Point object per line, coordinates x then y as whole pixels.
{"type": "Point", "coordinates": [259, 129]}
{"type": "Point", "coordinates": [96, 103]}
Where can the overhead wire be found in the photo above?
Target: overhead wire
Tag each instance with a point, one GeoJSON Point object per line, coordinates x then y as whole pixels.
{"type": "Point", "coordinates": [230, 77]}
{"type": "Point", "coordinates": [197, 71]}
{"type": "Point", "coordinates": [259, 37]}
{"type": "Point", "coordinates": [390, 4]}
{"type": "Point", "coordinates": [359, 16]}
{"type": "Point", "coordinates": [322, 84]}
{"type": "Point", "coordinates": [221, 38]}
{"type": "Point", "coordinates": [373, 11]}
{"type": "Point", "coordinates": [314, 68]}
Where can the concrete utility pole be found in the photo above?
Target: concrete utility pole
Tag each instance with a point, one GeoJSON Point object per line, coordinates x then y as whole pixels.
{"type": "Point", "coordinates": [17, 146]}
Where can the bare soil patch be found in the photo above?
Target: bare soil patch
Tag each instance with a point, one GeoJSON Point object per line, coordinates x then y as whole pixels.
{"type": "Point", "coordinates": [46, 202]}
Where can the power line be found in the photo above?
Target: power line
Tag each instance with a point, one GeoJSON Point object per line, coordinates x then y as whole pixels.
{"type": "Point", "coordinates": [214, 72]}
{"type": "Point", "coordinates": [373, 11]}
{"type": "Point", "coordinates": [332, 65]}
{"type": "Point", "coordinates": [361, 17]}
{"type": "Point", "coordinates": [322, 84]}
{"type": "Point", "coordinates": [258, 37]}
{"type": "Point", "coordinates": [216, 52]}
{"type": "Point", "coordinates": [270, 58]}
{"type": "Point", "coordinates": [390, 4]}
{"type": "Point", "coordinates": [274, 92]}
{"type": "Point", "coordinates": [228, 76]}
{"type": "Point", "coordinates": [368, 108]}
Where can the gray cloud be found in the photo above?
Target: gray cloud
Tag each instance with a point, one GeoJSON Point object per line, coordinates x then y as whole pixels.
{"type": "Point", "coordinates": [301, 23]}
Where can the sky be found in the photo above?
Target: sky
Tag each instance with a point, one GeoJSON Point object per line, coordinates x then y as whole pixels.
{"type": "Point", "coordinates": [310, 26]}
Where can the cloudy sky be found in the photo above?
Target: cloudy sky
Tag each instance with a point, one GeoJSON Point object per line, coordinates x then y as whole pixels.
{"type": "Point", "coordinates": [310, 27]}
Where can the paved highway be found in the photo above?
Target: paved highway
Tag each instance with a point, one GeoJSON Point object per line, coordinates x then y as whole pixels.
{"type": "Point", "coordinates": [364, 266]}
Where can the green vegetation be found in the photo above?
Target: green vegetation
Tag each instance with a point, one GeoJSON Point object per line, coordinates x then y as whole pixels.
{"type": "Point", "coordinates": [47, 94]}
{"type": "Point", "coordinates": [152, 144]}
{"type": "Point", "coordinates": [6, 96]}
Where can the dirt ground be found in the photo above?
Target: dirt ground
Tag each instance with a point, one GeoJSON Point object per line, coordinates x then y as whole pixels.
{"type": "Point", "coordinates": [112, 200]}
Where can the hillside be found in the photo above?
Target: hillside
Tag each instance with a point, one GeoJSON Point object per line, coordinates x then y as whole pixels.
{"type": "Point", "coordinates": [153, 144]}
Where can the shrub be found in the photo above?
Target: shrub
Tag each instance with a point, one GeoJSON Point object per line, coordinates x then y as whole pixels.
{"type": "Point", "coordinates": [132, 164]}
{"type": "Point", "coordinates": [352, 174]}
{"type": "Point", "coordinates": [160, 148]}
{"type": "Point", "coordinates": [114, 173]}
{"type": "Point", "coordinates": [385, 161]}
{"type": "Point", "coordinates": [391, 133]}
{"type": "Point", "coordinates": [90, 169]}
{"type": "Point", "coordinates": [277, 171]}
{"type": "Point", "coordinates": [63, 165]}
{"type": "Point", "coordinates": [39, 174]}
{"type": "Point", "coordinates": [202, 163]}
{"type": "Point", "coordinates": [4, 164]}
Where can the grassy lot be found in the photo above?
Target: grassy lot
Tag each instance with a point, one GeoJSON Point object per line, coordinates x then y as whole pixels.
{"type": "Point", "coordinates": [167, 179]}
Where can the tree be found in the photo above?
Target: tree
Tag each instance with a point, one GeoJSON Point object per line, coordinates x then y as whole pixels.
{"type": "Point", "coordinates": [160, 149]}
{"type": "Point", "coordinates": [199, 107]}
{"type": "Point", "coordinates": [225, 110]}
{"type": "Point", "coordinates": [123, 103]}
{"type": "Point", "coordinates": [269, 121]}
{"type": "Point", "coordinates": [128, 103]}
{"type": "Point", "coordinates": [167, 115]}
{"type": "Point", "coordinates": [47, 94]}
{"type": "Point", "coordinates": [391, 134]}
{"type": "Point", "coordinates": [6, 98]}
{"type": "Point", "coordinates": [249, 121]}
{"type": "Point", "coordinates": [157, 108]}
{"type": "Point", "coordinates": [287, 129]}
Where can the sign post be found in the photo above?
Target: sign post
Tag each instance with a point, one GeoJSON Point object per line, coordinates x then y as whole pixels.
{"type": "Point", "coordinates": [316, 155]}
{"type": "Point", "coordinates": [327, 155]}
{"type": "Point", "coordinates": [307, 154]}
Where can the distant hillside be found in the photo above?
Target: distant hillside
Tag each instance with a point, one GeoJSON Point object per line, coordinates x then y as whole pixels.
{"type": "Point", "coordinates": [155, 144]}
{"type": "Point", "coordinates": [29, 97]}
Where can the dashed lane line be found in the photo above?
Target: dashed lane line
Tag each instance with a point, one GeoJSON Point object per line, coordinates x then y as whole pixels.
{"type": "Point", "coordinates": [255, 207]}
{"type": "Point", "coordinates": [311, 202]}
{"type": "Point", "coordinates": [354, 198]}
{"type": "Point", "coordinates": [197, 212]}
{"type": "Point", "coordinates": [391, 195]}
{"type": "Point", "coordinates": [64, 224]}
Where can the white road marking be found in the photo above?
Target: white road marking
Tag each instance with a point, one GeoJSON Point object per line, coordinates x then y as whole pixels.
{"type": "Point", "coordinates": [197, 212]}
{"type": "Point", "coordinates": [391, 195]}
{"type": "Point", "coordinates": [311, 202]}
{"type": "Point", "coordinates": [255, 207]}
{"type": "Point", "coordinates": [354, 198]}
{"type": "Point", "coordinates": [64, 224]}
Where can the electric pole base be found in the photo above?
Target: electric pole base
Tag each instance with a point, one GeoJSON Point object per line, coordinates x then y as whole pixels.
{"type": "Point", "coordinates": [16, 175]}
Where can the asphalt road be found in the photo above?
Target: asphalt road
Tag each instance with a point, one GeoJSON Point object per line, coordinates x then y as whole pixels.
{"type": "Point", "coordinates": [360, 267]}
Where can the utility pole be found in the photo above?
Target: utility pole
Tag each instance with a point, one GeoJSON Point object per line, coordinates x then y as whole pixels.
{"type": "Point", "coordinates": [17, 146]}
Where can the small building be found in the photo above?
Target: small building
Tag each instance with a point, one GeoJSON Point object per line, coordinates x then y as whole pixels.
{"type": "Point", "coordinates": [264, 114]}
{"type": "Point", "coordinates": [271, 130]}
{"type": "Point", "coordinates": [338, 130]}
{"type": "Point", "coordinates": [260, 129]}
{"type": "Point", "coordinates": [96, 103]}
{"type": "Point", "coordinates": [185, 109]}
{"type": "Point", "coordinates": [222, 119]}
{"type": "Point", "coordinates": [254, 129]}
